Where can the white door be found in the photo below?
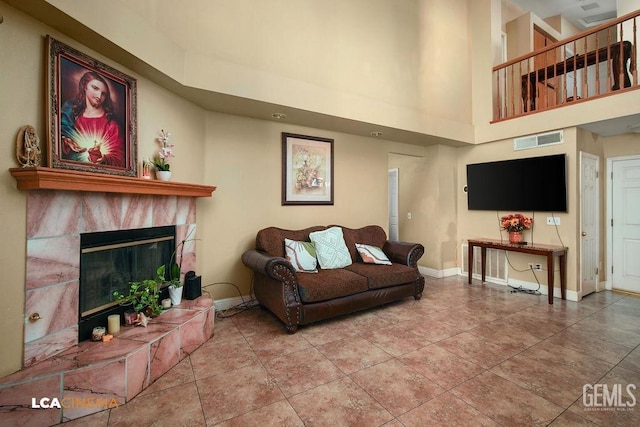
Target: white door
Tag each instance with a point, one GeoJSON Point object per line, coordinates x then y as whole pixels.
{"type": "Point", "coordinates": [625, 227]}
{"type": "Point", "coordinates": [394, 231]}
{"type": "Point", "coordinates": [589, 219]}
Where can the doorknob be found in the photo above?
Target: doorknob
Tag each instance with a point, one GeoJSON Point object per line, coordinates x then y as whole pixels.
{"type": "Point", "coordinates": [584, 234]}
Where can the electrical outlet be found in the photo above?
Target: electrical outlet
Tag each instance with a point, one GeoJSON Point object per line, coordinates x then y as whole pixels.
{"type": "Point", "coordinates": [553, 220]}
{"type": "Point", "coordinates": [538, 267]}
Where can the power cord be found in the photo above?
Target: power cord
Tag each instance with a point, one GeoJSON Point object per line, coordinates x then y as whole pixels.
{"type": "Point", "coordinates": [245, 305]}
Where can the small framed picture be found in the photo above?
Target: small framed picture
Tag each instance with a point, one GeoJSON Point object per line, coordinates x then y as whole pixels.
{"type": "Point", "coordinates": [91, 114]}
{"type": "Point", "coordinates": [307, 170]}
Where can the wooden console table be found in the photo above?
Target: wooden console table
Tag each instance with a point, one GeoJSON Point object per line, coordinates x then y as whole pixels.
{"type": "Point", "coordinates": [545, 250]}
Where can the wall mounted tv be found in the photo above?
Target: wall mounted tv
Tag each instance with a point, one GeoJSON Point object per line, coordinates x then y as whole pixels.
{"type": "Point", "coordinates": [529, 184]}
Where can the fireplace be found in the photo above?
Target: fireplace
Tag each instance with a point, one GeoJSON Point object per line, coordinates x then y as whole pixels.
{"type": "Point", "coordinates": [109, 261]}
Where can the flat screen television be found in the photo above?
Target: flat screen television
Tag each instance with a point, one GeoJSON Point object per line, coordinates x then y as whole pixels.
{"type": "Point", "coordinates": [529, 184]}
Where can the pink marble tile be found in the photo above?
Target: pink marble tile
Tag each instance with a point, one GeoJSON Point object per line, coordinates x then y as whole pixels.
{"type": "Point", "coordinates": [136, 211]}
{"type": "Point", "coordinates": [97, 352]}
{"type": "Point", "coordinates": [152, 332]}
{"type": "Point", "coordinates": [52, 260]}
{"type": "Point", "coordinates": [164, 353]}
{"type": "Point", "coordinates": [57, 306]}
{"type": "Point", "coordinates": [53, 213]}
{"type": "Point", "coordinates": [137, 372]}
{"type": "Point", "coordinates": [50, 366]}
{"type": "Point", "coordinates": [186, 210]}
{"type": "Point", "coordinates": [192, 334]}
{"type": "Point", "coordinates": [164, 210]}
{"type": "Point", "coordinates": [36, 351]}
{"type": "Point", "coordinates": [176, 316]}
{"type": "Point", "coordinates": [101, 212]}
{"type": "Point", "coordinates": [16, 403]}
{"type": "Point", "coordinates": [94, 389]}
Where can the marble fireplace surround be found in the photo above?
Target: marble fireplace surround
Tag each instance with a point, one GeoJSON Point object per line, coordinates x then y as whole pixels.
{"type": "Point", "coordinates": [55, 364]}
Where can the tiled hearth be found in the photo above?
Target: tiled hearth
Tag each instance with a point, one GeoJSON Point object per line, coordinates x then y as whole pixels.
{"type": "Point", "coordinates": [92, 376]}
{"type": "Point", "coordinates": [89, 374]}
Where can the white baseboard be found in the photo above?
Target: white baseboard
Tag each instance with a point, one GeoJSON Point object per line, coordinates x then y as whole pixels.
{"type": "Point", "coordinates": [432, 272]}
{"type": "Point", "coordinates": [226, 303]}
{"type": "Point", "coordinates": [544, 290]}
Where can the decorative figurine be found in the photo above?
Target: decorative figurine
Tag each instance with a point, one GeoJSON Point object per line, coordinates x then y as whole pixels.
{"type": "Point", "coordinates": [28, 147]}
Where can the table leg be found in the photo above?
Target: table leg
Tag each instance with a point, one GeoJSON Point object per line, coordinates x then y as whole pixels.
{"type": "Point", "coordinates": [563, 276]}
{"type": "Point", "coordinates": [550, 283]}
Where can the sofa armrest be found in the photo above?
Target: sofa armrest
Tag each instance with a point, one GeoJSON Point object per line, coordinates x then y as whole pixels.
{"type": "Point", "coordinates": [266, 265]}
{"type": "Point", "coordinates": [404, 252]}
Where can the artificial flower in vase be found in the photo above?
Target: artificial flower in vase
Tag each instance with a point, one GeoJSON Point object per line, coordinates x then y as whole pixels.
{"type": "Point", "coordinates": [163, 169]}
{"type": "Point", "coordinates": [515, 224]}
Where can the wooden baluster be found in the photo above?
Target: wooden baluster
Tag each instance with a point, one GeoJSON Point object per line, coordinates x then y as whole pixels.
{"type": "Point", "coordinates": [585, 83]}
{"type": "Point", "coordinates": [564, 75]}
{"type": "Point", "coordinates": [575, 71]}
{"type": "Point", "coordinates": [633, 66]}
{"type": "Point", "coordinates": [597, 66]}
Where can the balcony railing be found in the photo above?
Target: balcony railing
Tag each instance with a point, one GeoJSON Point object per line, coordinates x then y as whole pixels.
{"type": "Point", "coordinates": [591, 64]}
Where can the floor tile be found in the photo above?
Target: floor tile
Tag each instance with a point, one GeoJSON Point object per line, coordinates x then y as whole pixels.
{"type": "Point", "coordinates": [445, 410]}
{"type": "Point", "coordinates": [339, 403]}
{"type": "Point", "coordinates": [353, 354]}
{"type": "Point", "coordinates": [396, 386]}
{"type": "Point", "coordinates": [279, 414]}
{"type": "Point", "coordinates": [235, 393]}
{"type": "Point", "coordinates": [505, 402]}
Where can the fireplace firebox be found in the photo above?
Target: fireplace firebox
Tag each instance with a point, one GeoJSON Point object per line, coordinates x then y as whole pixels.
{"type": "Point", "coordinates": [109, 261]}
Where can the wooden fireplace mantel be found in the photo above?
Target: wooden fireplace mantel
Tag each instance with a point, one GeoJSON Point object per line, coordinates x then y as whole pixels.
{"type": "Point", "coordinates": [42, 178]}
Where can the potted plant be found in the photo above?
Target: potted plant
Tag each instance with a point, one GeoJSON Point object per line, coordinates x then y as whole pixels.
{"type": "Point", "coordinates": [143, 297]}
{"type": "Point", "coordinates": [173, 280]}
{"type": "Point", "coordinates": [515, 224]}
{"type": "Point", "coordinates": [172, 277]}
{"type": "Point", "coordinates": [163, 169]}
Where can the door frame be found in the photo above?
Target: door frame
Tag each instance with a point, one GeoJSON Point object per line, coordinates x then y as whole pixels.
{"type": "Point", "coordinates": [396, 201]}
{"type": "Point", "coordinates": [610, 160]}
{"type": "Point", "coordinates": [596, 213]}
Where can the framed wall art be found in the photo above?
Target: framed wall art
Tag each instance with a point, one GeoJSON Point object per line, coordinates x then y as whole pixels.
{"type": "Point", "coordinates": [91, 117]}
{"type": "Point", "coordinates": [307, 170]}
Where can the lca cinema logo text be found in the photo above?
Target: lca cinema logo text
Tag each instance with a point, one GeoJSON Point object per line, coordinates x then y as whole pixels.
{"type": "Point", "coordinates": [604, 397]}
{"type": "Point", "coordinates": [74, 402]}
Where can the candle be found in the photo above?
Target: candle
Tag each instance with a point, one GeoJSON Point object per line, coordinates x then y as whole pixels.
{"type": "Point", "coordinates": [97, 333]}
{"type": "Point", "coordinates": [130, 317]}
{"type": "Point", "coordinates": [113, 322]}
{"type": "Point", "coordinates": [166, 303]}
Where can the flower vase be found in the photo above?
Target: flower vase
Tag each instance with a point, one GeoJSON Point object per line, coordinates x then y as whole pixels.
{"type": "Point", "coordinates": [175, 293]}
{"type": "Point", "coordinates": [163, 175]}
{"type": "Point", "coordinates": [515, 237]}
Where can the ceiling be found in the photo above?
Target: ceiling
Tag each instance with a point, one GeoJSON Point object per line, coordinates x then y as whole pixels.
{"type": "Point", "coordinates": [584, 14]}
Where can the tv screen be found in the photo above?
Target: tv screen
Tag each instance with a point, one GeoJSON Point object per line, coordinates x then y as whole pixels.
{"type": "Point", "coordinates": [530, 184]}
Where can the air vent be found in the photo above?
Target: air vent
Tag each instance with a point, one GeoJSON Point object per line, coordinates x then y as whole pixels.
{"type": "Point", "coordinates": [539, 140]}
{"type": "Point", "coordinates": [590, 6]}
{"type": "Point", "coordinates": [590, 21]}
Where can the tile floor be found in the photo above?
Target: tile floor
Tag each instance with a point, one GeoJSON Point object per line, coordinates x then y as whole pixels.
{"type": "Point", "coordinates": [461, 356]}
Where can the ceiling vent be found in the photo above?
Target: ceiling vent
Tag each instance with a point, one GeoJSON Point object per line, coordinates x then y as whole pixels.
{"type": "Point", "coordinates": [539, 140]}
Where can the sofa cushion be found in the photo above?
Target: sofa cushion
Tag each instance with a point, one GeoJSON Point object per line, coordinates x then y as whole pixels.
{"type": "Point", "coordinates": [301, 255]}
{"type": "Point", "coordinates": [372, 254]}
{"type": "Point", "coordinates": [373, 235]}
{"type": "Point", "coordinates": [382, 276]}
{"type": "Point", "coordinates": [270, 240]}
{"type": "Point", "coordinates": [331, 250]}
{"type": "Point", "coordinates": [330, 284]}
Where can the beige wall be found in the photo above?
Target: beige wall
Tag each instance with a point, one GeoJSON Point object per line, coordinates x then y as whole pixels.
{"type": "Point", "coordinates": [475, 224]}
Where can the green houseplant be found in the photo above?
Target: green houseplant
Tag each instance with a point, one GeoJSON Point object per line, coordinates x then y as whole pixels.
{"type": "Point", "coordinates": [143, 297]}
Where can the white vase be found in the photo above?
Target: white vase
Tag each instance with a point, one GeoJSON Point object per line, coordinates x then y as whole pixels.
{"type": "Point", "coordinates": [163, 175]}
{"type": "Point", "coordinates": [175, 293]}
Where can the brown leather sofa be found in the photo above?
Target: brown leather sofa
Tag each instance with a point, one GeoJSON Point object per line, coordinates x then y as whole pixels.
{"type": "Point", "coordinates": [299, 298]}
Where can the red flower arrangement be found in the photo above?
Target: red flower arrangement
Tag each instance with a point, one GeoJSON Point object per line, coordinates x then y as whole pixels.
{"type": "Point", "coordinates": [516, 222]}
